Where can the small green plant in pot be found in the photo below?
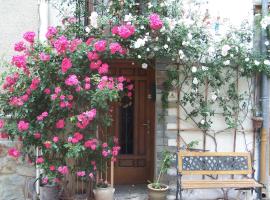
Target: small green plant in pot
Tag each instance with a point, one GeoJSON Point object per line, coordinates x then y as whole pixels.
{"type": "Point", "coordinates": [158, 190]}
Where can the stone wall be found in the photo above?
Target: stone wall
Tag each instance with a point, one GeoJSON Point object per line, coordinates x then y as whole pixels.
{"type": "Point", "coordinates": [16, 177]}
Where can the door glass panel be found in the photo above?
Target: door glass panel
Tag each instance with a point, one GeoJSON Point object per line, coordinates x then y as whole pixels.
{"type": "Point", "coordinates": [126, 126]}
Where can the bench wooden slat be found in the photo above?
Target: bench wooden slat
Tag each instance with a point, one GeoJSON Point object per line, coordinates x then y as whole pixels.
{"type": "Point", "coordinates": [233, 183]}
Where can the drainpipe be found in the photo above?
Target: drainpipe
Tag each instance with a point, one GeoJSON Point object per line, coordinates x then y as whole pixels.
{"type": "Point", "coordinates": [43, 22]}
{"type": "Point", "coordinates": [264, 161]}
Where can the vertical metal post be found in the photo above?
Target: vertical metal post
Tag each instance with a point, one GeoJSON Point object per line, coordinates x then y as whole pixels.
{"type": "Point", "coordinates": [265, 110]}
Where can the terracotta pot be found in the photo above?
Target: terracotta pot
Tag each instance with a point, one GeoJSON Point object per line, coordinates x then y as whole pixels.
{"type": "Point", "coordinates": [104, 193]}
{"type": "Point", "coordinates": [48, 192]}
{"type": "Point", "coordinates": [157, 194]}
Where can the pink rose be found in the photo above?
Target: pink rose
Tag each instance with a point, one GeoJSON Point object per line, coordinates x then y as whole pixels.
{"type": "Point", "coordinates": [78, 136]}
{"type": "Point", "coordinates": [13, 152]}
{"type": "Point", "coordinates": [52, 167]}
{"type": "Point", "coordinates": [66, 64]}
{"type": "Point", "coordinates": [37, 135]}
{"type": "Point", "coordinates": [105, 153]}
{"type": "Point", "coordinates": [23, 126]}
{"type": "Point", "coordinates": [55, 139]}
{"type": "Point", "coordinates": [44, 57]}
{"type": "Point", "coordinates": [57, 90]}
{"type": "Point", "coordinates": [89, 41]}
{"type": "Point", "coordinates": [87, 86]}
{"type": "Point", "coordinates": [61, 44]}
{"type": "Point", "coordinates": [95, 64]}
{"type": "Point", "coordinates": [125, 31]}
{"type": "Point", "coordinates": [115, 30]}
{"type": "Point", "coordinates": [92, 55]}
{"type": "Point", "coordinates": [45, 180]}
{"type": "Point", "coordinates": [2, 123]}
{"type": "Point", "coordinates": [115, 47]}
{"type": "Point", "coordinates": [29, 36]}
{"type": "Point", "coordinates": [35, 83]}
{"type": "Point", "coordinates": [60, 124]}
{"type": "Point", "coordinates": [103, 69]}
{"type": "Point", "coordinates": [53, 96]}
{"type": "Point", "coordinates": [91, 175]}
{"type": "Point", "coordinates": [155, 21]}
{"type": "Point", "coordinates": [100, 45]}
{"type": "Point", "coordinates": [81, 173]}
{"type": "Point", "coordinates": [19, 61]}
{"type": "Point", "coordinates": [51, 32]}
{"type": "Point", "coordinates": [74, 44]}
{"type": "Point", "coordinates": [47, 91]}
{"type": "Point", "coordinates": [40, 160]}
{"type": "Point", "coordinates": [19, 46]}
{"type": "Point", "coordinates": [72, 80]}
{"type": "Point", "coordinates": [63, 170]}
{"type": "Point", "coordinates": [105, 145]}
{"type": "Point", "coordinates": [48, 144]}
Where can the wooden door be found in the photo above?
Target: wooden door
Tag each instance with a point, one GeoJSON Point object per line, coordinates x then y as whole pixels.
{"type": "Point", "coordinates": [134, 123]}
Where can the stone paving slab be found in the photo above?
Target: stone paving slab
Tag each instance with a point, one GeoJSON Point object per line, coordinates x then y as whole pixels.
{"type": "Point", "coordinates": [131, 192]}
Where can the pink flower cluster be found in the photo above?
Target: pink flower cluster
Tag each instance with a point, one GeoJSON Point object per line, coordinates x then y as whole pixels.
{"type": "Point", "coordinates": [66, 64]}
{"type": "Point", "coordinates": [44, 57]}
{"type": "Point", "coordinates": [85, 118]}
{"type": "Point", "coordinates": [29, 36]}
{"type": "Point", "coordinates": [47, 144]}
{"type": "Point", "coordinates": [52, 31]}
{"type": "Point", "coordinates": [77, 137]}
{"type": "Point", "coordinates": [23, 126]}
{"type": "Point", "coordinates": [115, 47]}
{"type": "Point", "coordinates": [40, 160]}
{"type": "Point", "coordinates": [124, 31]}
{"type": "Point", "coordinates": [87, 84]}
{"type": "Point", "coordinates": [100, 45]}
{"type": "Point", "coordinates": [81, 173]}
{"type": "Point", "coordinates": [19, 46]}
{"type": "Point", "coordinates": [10, 81]}
{"type": "Point", "coordinates": [60, 124]}
{"type": "Point", "coordinates": [42, 116]}
{"type": "Point", "coordinates": [63, 170]}
{"type": "Point", "coordinates": [72, 80]}
{"type": "Point", "coordinates": [91, 144]}
{"type": "Point", "coordinates": [20, 62]}
{"type": "Point", "coordinates": [2, 123]}
{"type": "Point", "coordinates": [19, 101]}
{"type": "Point", "coordinates": [74, 44]}
{"type": "Point", "coordinates": [13, 152]}
{"type": "Point", "coordinates": [155, 22]}
{"type": "Point", "coordinates": [61, 44]}
{"type": "Point", "coordinates": [109, 82]}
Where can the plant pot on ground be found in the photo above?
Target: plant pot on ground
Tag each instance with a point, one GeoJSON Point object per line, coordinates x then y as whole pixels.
{"type": "Point", "coordinates": [157, 190]}
{"type": "Point", "coordinates": [49, 192]}
{"type": "Point", "coordinates": [104, 191]}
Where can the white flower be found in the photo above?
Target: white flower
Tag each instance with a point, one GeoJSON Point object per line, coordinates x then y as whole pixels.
{"type": "Point", "coordinates": [150, 5]}
{"type": "Point", "coordinates": [139, 56]}
{"type": "Point", "coordinates": [156, 39]}
{"type": "Point", "coordinates": [185, 43]}
{"type": "Point", "coordinates": [163, 29]}
{"type": "Point", "coordinates": [195, 81]}
{"type": "Point", "coordinates": [87, 29]}
{"type": "Point", "coordinates": [231, 55]}
{"type": "Point", "coordinates": [246, 59]}
{"type": "Point", "coordinates": [168, 39]}
{"type": "Point", "coordinates": [256, 62]}
{"type": "Point", "coordinates": [194, 69]}
{"type": "Point", "coordinates": [227, 62]}
{"type": "Point", "coordinates": [265, 22]}
{"type": "Point", "coordinates": [144, 65]}
{"type": "Point", "coordinates": [162, 5]}
{"type": "Point", "coordinates": [266, 62]}
{"type": "Point", "coordinates": [211, 50]}
{"type": "Point", "coordinates": [266, 43]}
{"type": "Point", "coordinates": [202, 122]}
{"type": "Point", "coordinates": [147, 33]}
{"type": "Point", "coordinates": [139, 43]}
{"type": "Point", "coordinates": [156, 48]}
{"type": "Point", "coordinates": [171, 23]}
{"type": "Point", "coordinates": [142, 27]}
{"type": "Point", "coordinates": [181, 54]}
{"type": "Point", "coordinates": [128, 17]}
{"type": "Point", "coordinates": [147, 49]}
{"type": "Point", "coordinates": [214, 97]}
{"type": "Point", "coordinates": [225, 49]}
{"type": "Point", "coordinates": [189, 36]}
{"type": "Point", "coordinates": [93, 19]}
{"type": "Point", "coordinates": [166, 46]}
{"type": "Point", "coordinates": [204, 68]}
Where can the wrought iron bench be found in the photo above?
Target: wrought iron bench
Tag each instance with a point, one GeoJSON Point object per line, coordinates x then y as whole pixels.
{"type": "Point", "coordinates": [214, 163]}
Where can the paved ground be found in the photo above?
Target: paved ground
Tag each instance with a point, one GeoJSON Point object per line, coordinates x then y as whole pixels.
{"type": "Point", "coordinates": [131, 192]}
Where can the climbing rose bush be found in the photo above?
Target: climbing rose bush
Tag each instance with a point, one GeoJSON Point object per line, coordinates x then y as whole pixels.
{"type": "Point", "coordinates": [58, 96]}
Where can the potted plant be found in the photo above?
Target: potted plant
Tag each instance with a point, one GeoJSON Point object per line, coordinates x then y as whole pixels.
{"type": "Point", "coordinates": [158, 190]}
{"type": "Point", "coordinates": [103, 191]}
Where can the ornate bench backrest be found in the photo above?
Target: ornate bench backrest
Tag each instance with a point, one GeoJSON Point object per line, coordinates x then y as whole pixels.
{"type": "Point", "coordinates": [211, 163]}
